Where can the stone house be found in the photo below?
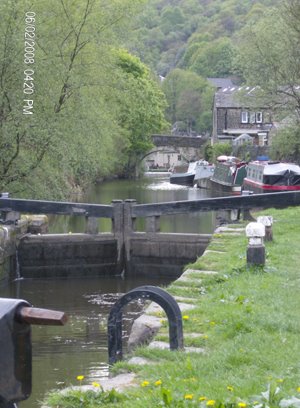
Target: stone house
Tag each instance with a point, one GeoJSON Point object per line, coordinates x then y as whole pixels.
{"type": "Point", "coordinates": [237, 111]}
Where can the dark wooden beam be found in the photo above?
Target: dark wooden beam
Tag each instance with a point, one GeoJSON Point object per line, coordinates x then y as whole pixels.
{"type": "Point", "coordinates": [270, 200]}
{"type": "Point", "coordinates": [55, 207]}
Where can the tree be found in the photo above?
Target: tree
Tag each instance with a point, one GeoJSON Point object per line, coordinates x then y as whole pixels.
{"type": "Point", "coordinates": [188, 99]}
{"type": "Point", "coordinates": [67, 133]}
{"type": "Point", "coordinates": [269, 56]}
{"type": "Point", "coordinates": [141, 108]}
{"type": "Point", "coordinates": [213, 59]}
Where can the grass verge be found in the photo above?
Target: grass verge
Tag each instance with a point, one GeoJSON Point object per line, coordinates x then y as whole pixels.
{"type": "Point", "coordinates": [247, 320]}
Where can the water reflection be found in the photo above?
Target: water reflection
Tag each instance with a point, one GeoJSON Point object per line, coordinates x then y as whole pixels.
{"type": "Point", "coordinates": [147, 190]}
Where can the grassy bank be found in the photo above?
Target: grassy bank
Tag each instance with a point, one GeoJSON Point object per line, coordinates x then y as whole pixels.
{"type": "Point", "coordinates": [246, 322]}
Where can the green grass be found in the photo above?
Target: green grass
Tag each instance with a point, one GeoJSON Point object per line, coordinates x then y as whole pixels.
{"type": "Point", "coordinates": [249, 320]}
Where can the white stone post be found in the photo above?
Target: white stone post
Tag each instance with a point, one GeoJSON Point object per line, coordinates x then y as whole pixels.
{"type": "Point", "coordinates": [267, 221]}
{"type": "Point", "coordinates": [255, 233]}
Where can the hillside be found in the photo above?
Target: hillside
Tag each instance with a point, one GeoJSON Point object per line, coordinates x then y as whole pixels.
{"type": "Point", "coordinates": [193, 34]}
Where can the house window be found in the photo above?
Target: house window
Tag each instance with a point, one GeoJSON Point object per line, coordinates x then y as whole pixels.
{"type": "Point", "coordinates": [245, 117]}
{"type": "Point", "coordinates": [179, 157]}
{"type": "Point", "coordinates": [259, 117]}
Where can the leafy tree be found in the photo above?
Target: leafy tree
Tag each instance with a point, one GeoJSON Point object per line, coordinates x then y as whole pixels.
{"type": "Point", "coordinates": [73, 134]}
{"type": "Point", "coordinates": [141, 108]}
{"type": "Point", "coordinates": [269, 56]}
{"type": "Point", "coordinates": [188, 101]}
{"type": "Point", "coordinates": [213, 59]}
{"type": "Point", "coordinates": [286, 144]}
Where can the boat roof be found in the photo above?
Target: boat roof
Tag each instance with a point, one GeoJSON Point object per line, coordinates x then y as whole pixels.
{"type": "Point", "coordinates": [273, 168]}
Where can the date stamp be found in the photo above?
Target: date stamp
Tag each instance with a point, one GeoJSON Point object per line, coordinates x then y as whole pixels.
{"type": "Point", "coordinates": [29, 61]}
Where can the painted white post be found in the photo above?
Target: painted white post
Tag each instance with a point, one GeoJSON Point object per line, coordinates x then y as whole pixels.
{"type": "Point", "coordinates": [255, 233]}
{"type": "Point", "coordinates": [267, 221]}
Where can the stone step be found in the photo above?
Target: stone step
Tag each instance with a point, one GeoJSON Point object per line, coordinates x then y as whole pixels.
{"type": "Point", "coordinates": [162, 345]}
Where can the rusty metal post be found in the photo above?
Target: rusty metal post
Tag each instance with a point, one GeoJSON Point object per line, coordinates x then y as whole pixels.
{"type": "Point", "coordinates": [16, 316]}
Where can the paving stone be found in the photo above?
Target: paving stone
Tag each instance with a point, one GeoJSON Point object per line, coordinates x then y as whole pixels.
{"type": "Point", "coordinates": [200, 272]}
{"type": "Point", "coordinates": [119, 383]}
{"type": "Point", "coordinates": [228, 229]}
{"type": "Point", "coordinates": [140, 361]}
{"type": "Point", "coordinates": [194, 350]}
{"type": "Point", "coordinates": [208, 251]}
{"type": "Point", "coordinates": [184, 299]}
{"type": "Point", "coordinates": [185, 306]}
{"type": "Point", "coordinates": [193, 335]}
{"type": "Point", "coordinates": [162, 345]}
{"type": "Point", "coordinates": [188, 279]}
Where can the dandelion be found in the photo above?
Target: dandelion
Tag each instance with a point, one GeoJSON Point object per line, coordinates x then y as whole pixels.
{"type": "Point", "coordinates": [202, 398]}
{"type": "Point", "coordinates": [280, 380]}
{"type": "Point", "coordinates": [205, 337]}
{"type": "Point", "coordinates": [298, 389]}
{"type": "Point", "coordinates": [185, 317]}
{"type": "Point", "coordinates": [80, 377]}
{"type": "Point", "coordinates": [210, 403]}
{"type": "Point", "coordinates": [212, 323]}
{"type": "Point", "coordinates": [145, 384]}
{"type": "Point", "coordinates": [95, 384]}
{"type": "Point", "coordinates": [157, 383]}
{"type": "Point", "coordinates": [189, 396]}
{"type": "Point", "coordinates": [242, 404]}
{"type": "Point", "coordinates": [229, 388]}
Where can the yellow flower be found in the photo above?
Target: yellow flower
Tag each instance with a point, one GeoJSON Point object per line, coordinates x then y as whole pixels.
{"type": "Point", "coordinates": [298, 389]}
{"type": "Point", "coordinates": [185, 317]}
{"type": "Point", "coordinates": [205, 337]}
{"type": "Point", "coordinates": [210, 403]}
{"type": "Point", "coordinates": [145, 383]}
{"type": "Point", "coordinates": [229, 388]}
{"type": "Point", "coordinates": [158, 382]}
{"type": "Point", "coordinates": [280, 380]}
{"type": "Point", "coordinates": [212, 323]}
{"type": "Point", "coordinates": [189, 396]}
{"type": "Point", "coordinates": [80, 377]}
{"type": "Point", "coordinates": [95, 384]}
{"type": "Point", "coordinates": [242, 404]}
{"type": "Point", "coordinates": [202, 398]}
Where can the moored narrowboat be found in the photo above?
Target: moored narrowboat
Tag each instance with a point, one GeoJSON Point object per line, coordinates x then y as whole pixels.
{"type": "Point", "coordinates": [228, 176]}
{"type": "Point", "coordinates": [269, 177]}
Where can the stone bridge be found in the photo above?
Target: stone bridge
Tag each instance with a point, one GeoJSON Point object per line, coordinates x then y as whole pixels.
{"type": "Point", "coordinates": [172, 150]}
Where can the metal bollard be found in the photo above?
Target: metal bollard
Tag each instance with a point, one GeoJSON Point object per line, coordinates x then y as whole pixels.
{"type": "Point", "coordinates": [16, 316]}
{"type": "Point", "coordinates": [255, 232]}
{"type": "Point", "coordinates": [164, 299]}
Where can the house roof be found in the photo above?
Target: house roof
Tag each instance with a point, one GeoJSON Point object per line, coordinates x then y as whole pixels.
{"type": "Point", "coordinates": [235, 97]}
{"type": "Point", "coordinates": [221, 82]}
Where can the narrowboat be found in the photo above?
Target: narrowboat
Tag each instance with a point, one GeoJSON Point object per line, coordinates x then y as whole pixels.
{"type": "Point", "coordinates": [192, 173]}
{"type": "Point", "coordinates": [269, 177]}
{"type": "Point", "coordinates": [228, 175]}
{"type": "Point", "coordinates": [183, 175]}
{"type": "Point", "coordinates": [204, 171]}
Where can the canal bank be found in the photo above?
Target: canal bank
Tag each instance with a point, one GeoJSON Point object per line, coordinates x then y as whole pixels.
{"type": "Point", "coordinates": [245, 321]}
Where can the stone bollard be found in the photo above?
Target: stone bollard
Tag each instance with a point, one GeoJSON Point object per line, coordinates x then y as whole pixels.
{"type": "Point", "coordinates": [255, 232]}
{"type": "Point", "coordinates": [267, 221]}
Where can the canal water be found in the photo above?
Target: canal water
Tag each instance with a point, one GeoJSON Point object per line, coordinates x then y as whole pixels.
{"type": "Point", "coordinates": [60, 354]}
